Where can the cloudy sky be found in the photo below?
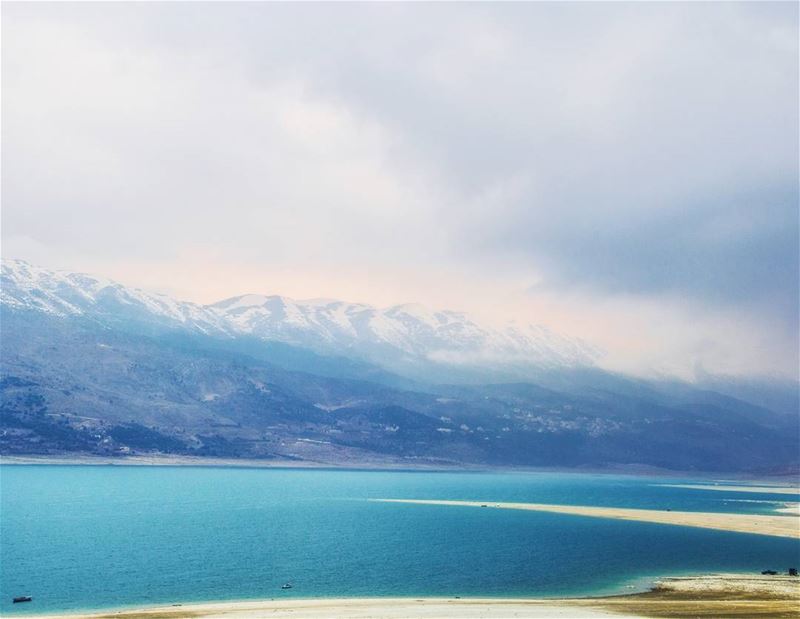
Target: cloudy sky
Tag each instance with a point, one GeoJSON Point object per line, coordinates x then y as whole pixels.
{"type": "Point", "coordinates": [626, 173]}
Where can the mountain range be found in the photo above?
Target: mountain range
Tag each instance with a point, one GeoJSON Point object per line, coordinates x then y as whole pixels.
{"type": "Point", "coordinates": [408, 338]}
{"type": "Point", "coordinates": [94, 367]}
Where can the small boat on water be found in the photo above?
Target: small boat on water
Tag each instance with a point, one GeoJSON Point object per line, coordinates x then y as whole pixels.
{"type": "Point", "coordinates": [22, 598]}
{"type": "Point", "coordinates": [288, 585]}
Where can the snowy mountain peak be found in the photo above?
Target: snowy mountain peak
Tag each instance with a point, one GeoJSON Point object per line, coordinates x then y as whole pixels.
{"type": "Point", "coordinates": [396, 337]}
{"type": "Point", "coordinates": [63, 293]}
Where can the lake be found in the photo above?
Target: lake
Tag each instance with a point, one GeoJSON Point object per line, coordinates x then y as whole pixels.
{"type": "Point", "coordinates": [89, 537]}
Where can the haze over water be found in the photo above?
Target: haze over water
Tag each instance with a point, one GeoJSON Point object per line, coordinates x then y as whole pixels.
{"type": "Point", "coordinates": [99, 537]}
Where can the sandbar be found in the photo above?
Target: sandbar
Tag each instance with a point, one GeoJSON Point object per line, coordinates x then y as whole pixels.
{"type": "Point", "coordinates": [759, 489]}
{"type": "Point", "coordinates": [779, 526]}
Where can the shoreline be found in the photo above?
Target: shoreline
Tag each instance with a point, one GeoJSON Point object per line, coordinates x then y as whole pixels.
{"type": "Point", "coordinates": [352, 608]}
{"type": "Point", "coordinates": [781, 480]}
{"type": "Point", "coordinates": [713, 595]}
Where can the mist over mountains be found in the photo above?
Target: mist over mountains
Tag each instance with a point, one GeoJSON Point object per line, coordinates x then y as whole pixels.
{"type": "Point", "coordinates": [94, 367]}
{"type": "Point", "coordinates": [406, 338]}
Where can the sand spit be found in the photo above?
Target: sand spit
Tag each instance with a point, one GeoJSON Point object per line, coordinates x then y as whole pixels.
{"type": "Point", "coordinates": [720, 595]}
{"type": "Point", "coordinates": [780, 526]}
{"type": "Point", "coordinates": [721, 488]}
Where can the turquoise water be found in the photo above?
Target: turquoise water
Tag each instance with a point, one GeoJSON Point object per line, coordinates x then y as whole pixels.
{"type": "Point", "coordinates": [99, 537]}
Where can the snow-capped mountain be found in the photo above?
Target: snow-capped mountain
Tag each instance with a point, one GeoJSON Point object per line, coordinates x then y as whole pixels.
{"type": "Point", "coordinates": [61, 293]}
{"type": "Point", "coordinates": [392, 337]}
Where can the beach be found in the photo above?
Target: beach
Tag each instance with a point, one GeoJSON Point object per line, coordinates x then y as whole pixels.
{"type": "Point", "coordinates": [356, 608]}
{"type": "Point", "coordinates": [718, 595]}
{"type": "Point", "coordinates": [780, 526]}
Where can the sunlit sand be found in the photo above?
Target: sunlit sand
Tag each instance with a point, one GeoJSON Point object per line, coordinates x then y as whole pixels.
{"type": "Point", "coordinates": [386, 608]}
{"type": "Point", "coordinates": [718, 595]}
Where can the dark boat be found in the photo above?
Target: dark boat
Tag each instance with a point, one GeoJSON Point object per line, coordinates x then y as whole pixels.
{"type": "Point", "coordinates": [23, 598]}
{"type": "Point", "coordinates": [288, 585]}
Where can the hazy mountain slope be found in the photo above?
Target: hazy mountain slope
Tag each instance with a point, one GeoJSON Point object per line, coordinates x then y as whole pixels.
{"type": "Point", "coordinates": [96, 383]}
{"type": "Point", "coordinates": [71, 386]}
{"type": "Point", "coordinates": [93, 367]}
{"type": "Point", "coordinates": [776, 394]}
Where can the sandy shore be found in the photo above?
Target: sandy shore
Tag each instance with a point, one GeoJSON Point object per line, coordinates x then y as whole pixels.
{"type": "Point", "coordinates": [717, 596]}
{"type": "Point", "coordinates": [362, 608]}
{"type": "Point", "coordinates": [720, 595]}
{"type": "Point", "coordinates": [780, 526]}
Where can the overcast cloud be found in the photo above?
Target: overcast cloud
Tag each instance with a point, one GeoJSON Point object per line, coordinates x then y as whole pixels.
{"type": "Point", "coordinates": [624, 172]}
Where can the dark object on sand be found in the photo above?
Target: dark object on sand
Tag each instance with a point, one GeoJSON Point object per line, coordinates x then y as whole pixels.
{"type": "Point", "coordinates": [792, 571]}
{"type": "Point", "coordinates": [288, 585]}
{"type": "Point", "coordinates": [23, 598]}
{"type": "Point", "coordinates": [769, 572]}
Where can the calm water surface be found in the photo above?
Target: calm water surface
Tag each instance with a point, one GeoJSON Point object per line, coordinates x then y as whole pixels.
{"type": "Point", "coordinates": [80, 537]}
